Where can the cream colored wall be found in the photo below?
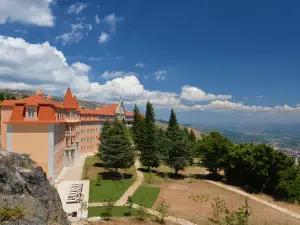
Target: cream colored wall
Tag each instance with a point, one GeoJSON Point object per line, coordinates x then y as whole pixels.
{"type": "Point", "coordinates": [59, 148]}
{"type": "Point", "coordinates": [32, 139]}
{"type": "Point", "coordinates": [5, 116]}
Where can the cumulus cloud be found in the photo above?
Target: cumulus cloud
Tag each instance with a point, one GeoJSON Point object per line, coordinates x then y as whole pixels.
{"type": "Point", "coordinates": [160, 74]}
{"type": "Point", "coordinates": [139, 65]}
{"type": "Point", "coordinates": [190, 93]}
{"type": "Point", "coordinates": [77, 33]}
{"type": "Point", "coordinates": [41, 66]}
{"type": "Point", "coordinates": [76, 8]}
{"type": "Point", "coordinates": [119, 57]}
{"type": "Point", "coordinates": [103, 38]}
{"type": "Point", "coordinates": [259, 96]}
{"type": "Point", "coordinates": [27, 11]}
{"type": "Point", "coordinates": [114, 74]}
{"type": "Point", "coordinates": [97, 19]}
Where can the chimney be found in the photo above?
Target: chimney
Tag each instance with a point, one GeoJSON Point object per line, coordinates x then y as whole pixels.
{"type": "Point", "coordinates": [39, 92]}
{"type": "Point", "coordinates": [49, 97]}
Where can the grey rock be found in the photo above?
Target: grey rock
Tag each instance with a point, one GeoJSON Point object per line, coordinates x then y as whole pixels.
{"type": "Point", "coordinates": [24, 184]}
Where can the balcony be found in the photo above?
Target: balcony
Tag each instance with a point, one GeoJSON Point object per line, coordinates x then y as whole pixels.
{"type": "Point", "coordinates": [70, 133]}
{"type": "Point", "coordinates": [70, 146]}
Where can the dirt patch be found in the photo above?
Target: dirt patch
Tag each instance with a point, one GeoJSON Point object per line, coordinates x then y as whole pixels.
{"type": "Point", "coordinates": [180, 195]}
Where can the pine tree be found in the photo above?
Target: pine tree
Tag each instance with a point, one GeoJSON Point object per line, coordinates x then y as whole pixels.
{"type": "Point", "coordinates": [177, 146]}
{"type": "Point", "coordinates": [136, 121]}
{"type": "Point", "coordinates": [179, 150]}
{"type": "Point", "coordinates": [116, 150]}
{"type": "Point", "coordinates": [173, 124]}
{"type": "Point", "coordinates": [192, 136]}
{"type": "Point", "coordinates": [149, 153]}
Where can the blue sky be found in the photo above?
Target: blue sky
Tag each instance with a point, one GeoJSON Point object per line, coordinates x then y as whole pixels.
{"type": "Point", "coordinates": [213, 61]}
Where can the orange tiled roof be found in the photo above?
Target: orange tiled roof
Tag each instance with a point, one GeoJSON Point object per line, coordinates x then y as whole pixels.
{"type": "Point", "coordinates": [70, 102]}
{"type": "Point", "coordinates": [129, 113]}
{"type": "Point", "coordinates": [108, 110]}
{"type": "Point", "coordinates": [33, 100]}
{"type": "Point", "coordinates": [18, 113]}
{"type": "Point", "coordinates": [46, 113]}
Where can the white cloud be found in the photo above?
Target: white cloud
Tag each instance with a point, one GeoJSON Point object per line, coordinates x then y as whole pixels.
{"type": "Point", "coordinates": [114, 74]}
{"type": "Point", "coordinates": [42, 66]}
{"type": "Point", "coordinates": [259, 96]}
{"type": "Point", "coordinates": [37, 12]}
{"type": "Point", "coordinates": [97, 19]}
{"type": "Point", "coordinates": [76, 8]}
{"type": "Point", "coordinates": [92, 58]}
{"type": "Point", "coordinates": [160, 74]}
{"type": "Point", "coordinates": [139, 65]}
{"type": "Point", "coordinates": [112, 19]}
{"type": "Point", "coordinates": [77, 33]}
{"type": "Point", "coordinates": [190, 93]}
{"type": "Point", "coordinates": [103, 38]}
{"type": "Point", "coordinates": [119, 57]}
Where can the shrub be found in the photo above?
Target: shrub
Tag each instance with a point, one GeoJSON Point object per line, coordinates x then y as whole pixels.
{"type": "Point", "coordinates": [129, 204]}
{"type": "Point", "coordinates": [108, 207]}
{"type": "Point", "coordinates": [142, 212]}
{"type": "Point", "coordinates": [11, 214]}
{"type": "Point", "coordinates": [163, 209]}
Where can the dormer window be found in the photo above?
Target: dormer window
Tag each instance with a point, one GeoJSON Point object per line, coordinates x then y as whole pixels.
{"type": "Point", "coordinates": [30, 113]}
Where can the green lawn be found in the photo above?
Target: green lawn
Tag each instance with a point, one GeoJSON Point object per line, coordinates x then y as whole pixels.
{"type": "Point", "coordinates": [116, 212]}
{"type": "Point", "coordinates": [109, 189]}
{"type": "Point", "coordinates": [146, 195]}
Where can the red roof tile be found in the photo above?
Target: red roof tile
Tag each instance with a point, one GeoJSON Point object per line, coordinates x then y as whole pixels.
{"type": "Point", "coordinates": [18, 113]}
{"type": "Point", "coordinates": [46, 113]}
{"type": "Point", "coordinates": [129, 113]}
{"type": "Point", "coordinates": [9, 102]}
{"type": "Point", "coordinates": [70, 102]}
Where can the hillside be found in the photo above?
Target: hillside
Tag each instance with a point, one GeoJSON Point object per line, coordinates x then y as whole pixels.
{"type": "Point", "coordinates": [164, 124]}
{"type": "Point", "coordinates": [19, 94]}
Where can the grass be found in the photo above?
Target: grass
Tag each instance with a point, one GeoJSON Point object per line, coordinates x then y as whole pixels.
{"type": "Point", "coordinates": [109, 189]}
{"type": "Point", "coordinates": [89, 162]}
{"type": "Point", "coordinates": [116, 212]}
{"type": "Point", "coordinates": [146, 195]}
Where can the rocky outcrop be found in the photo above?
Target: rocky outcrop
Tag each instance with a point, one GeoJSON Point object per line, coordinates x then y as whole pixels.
{"type": "Point", "coordinates": [24, 184]}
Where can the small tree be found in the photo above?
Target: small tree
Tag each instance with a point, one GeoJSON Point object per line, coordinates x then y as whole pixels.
{"type": "Point", "coordinates": [243, 213]}
{"type": "Point", "coordinates": [219, 209]}
{"type": "Point", "coordinates": [142, 212]}
{"type": "Point", "coordinates": [129, 204]}
{"type": "Point", "coordinates": [99, 179]}
{"type": "Point", "coordinates": [108, 207]}
{"type": "Point", "coordinates": [83, 205]}
{"type": "Point", "coordinates": [163, 208]}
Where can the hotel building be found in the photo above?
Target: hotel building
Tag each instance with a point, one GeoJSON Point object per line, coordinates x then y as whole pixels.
{"type": "Point", "coordinates": [54, 134]}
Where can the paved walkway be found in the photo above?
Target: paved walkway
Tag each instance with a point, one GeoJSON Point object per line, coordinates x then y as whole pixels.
{"type": "Point", "coordinates": [74, 172]}
{"type": "Point", "coordinates": [274, 206]}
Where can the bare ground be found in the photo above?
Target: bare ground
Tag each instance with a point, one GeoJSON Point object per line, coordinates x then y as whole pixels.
{"type": "Point", "coordinates": [180, 194]}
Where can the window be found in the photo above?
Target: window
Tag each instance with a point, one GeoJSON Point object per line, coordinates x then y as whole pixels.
{"type": "Point", "coordinates": [30, 113]}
